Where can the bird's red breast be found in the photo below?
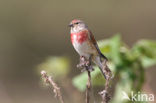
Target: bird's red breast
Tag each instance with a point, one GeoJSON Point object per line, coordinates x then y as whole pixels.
{"type": "Point", "coordinates": [79, 37]}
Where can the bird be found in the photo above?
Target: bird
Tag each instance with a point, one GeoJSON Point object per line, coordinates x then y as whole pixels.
{"type": "Point", "coordinates": [85, 44]}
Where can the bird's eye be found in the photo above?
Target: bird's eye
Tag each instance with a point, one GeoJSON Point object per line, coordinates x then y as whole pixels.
{"type": "Point", "coordinates": [77, 23]}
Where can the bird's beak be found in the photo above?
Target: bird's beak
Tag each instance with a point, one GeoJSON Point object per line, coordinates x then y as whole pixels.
{"type": "Point", "coordinates": [70, 25]}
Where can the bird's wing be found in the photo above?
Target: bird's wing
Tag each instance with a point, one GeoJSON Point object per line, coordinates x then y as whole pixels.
{"type": "Point", "coordinates": [92, 39]}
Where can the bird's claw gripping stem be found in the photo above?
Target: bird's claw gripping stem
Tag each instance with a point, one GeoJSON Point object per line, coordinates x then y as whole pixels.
{"type": "Point", "coordinates": [86, 64]}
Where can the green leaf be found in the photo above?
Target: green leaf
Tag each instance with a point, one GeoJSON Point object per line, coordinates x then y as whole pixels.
{"type": "Point", "coordinates": [111, 47]}
{"type": "Point", "coordinates": [115, 49]}
{"type": "Point", "coordinates": [146, 51]}
{"type": "Point", "coordinates": [148, 62]}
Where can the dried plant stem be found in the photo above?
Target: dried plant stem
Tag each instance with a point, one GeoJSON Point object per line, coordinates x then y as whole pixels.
{"type": "Point", "coordinates": [86, 64]}
{"type": "Point", "coordinates": [105, 93]}
{"type": "Point", "coordinates": [56, 89]}
{"type": "Point", "coordinates": [88, 87]}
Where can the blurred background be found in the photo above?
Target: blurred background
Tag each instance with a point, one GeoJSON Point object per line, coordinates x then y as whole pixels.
{"type": "Point", "coordinates": [32, 31]}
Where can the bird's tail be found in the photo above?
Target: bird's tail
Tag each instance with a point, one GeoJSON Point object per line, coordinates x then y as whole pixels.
{"type": "Point", "coordinates": [103, 57]}
{"type": "Point", "coordinates": [100, 61]}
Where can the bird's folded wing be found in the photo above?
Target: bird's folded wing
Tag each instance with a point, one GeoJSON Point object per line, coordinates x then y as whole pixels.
{"type": "Point", "coordinates": [92, 39]}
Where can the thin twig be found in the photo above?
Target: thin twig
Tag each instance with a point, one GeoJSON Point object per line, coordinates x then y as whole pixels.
{"type": "Point", "coordinates": [86, 65]}
{"type": "Point", "coordinates": [88, 87]}
{"type": "Point", "coordinates": [105, 93]}
{"type": "Point", "coordinates": [56, 89]}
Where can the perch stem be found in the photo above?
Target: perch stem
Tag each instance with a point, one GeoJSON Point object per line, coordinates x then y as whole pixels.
{"type": "Point", "coordinates": [105, 93]}
{"type": "Point", "coordinates": [88, 87]}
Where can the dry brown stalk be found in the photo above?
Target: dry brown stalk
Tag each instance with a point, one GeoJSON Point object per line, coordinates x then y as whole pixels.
{"type": "Point", "coordinates": [86, 64]}
{"type": "Point", "coordinates": [88, 87]}
{"type": "Point", "coordinates": [105, 93]}
{"type": "Point", "coordinates": [56, 89]}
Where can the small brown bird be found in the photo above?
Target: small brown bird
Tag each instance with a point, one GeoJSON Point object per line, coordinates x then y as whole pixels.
{"type": "Point", "coordinates": [85, 44]}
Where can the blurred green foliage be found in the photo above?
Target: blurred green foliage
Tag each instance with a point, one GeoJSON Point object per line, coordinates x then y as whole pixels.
{"type": "Point", "coordinates": [126, 64]}
{"type": "Point", "coordinates": [56, 66]}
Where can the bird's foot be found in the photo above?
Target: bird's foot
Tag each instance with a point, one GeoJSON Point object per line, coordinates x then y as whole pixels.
{"type": "Point", "coordinates": [88, 68]}
{"type": "Point", "coordinates": [82, 63]}
{"type": "Point", "coordinates": [86, 64]}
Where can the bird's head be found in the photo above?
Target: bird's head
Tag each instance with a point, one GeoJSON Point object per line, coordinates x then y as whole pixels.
{"type": "Point", "coordinates": [77, 26]}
